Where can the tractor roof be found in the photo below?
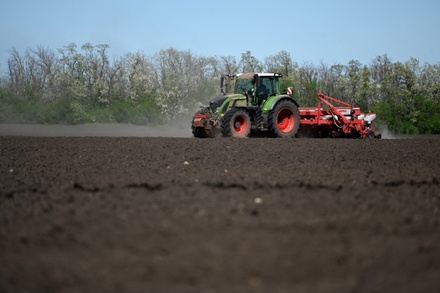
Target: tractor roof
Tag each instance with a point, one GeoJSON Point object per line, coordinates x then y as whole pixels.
{"type": "Point", "coordinates": [250, 75]}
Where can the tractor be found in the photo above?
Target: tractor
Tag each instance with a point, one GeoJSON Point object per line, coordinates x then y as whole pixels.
{"type": "Point", "coordinates": [255, 107]}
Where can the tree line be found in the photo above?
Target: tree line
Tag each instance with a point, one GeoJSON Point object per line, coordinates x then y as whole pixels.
{"type": "Point", "coordinates": [81, 84]}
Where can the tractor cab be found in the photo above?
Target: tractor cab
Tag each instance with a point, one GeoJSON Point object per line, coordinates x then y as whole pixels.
{"type": "Point", "coordinates": [257, 87]}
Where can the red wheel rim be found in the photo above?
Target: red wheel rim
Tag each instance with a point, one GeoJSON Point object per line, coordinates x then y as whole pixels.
{"type": "Point", "coordinates": [285, 120]}
{"type": "Point", "coordinates": [240, 125]}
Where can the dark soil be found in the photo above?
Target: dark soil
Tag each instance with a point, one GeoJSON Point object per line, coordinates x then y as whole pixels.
{"type": "Point", "coordinates": [157, 214]}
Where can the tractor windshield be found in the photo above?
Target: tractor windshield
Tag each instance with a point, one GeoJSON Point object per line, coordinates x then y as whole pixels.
{"type": "Point", "coordinates": [243, 85]}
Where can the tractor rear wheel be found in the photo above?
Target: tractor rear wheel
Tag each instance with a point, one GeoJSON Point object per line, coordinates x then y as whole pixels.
{"type": "Point", "coordinates": [283, 119]}
{"type": "Point", "coordinates": [236, 123]}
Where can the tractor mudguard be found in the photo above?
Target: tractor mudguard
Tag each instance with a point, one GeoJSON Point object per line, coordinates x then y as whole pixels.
{"type": "Point", "coordinates": [230, 101]}
{"type": "Point", "coordinates": [272, 101]}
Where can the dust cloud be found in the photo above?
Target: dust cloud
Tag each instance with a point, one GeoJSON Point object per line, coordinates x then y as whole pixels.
{"type": "Point", "coordinates": [181, 129]}
{"type": "Point", "coordinates": [388, 134]}
{"type": "Point", "coordinates": [96, 129]}
{"type": "Point", "coordinates": [385, 132]}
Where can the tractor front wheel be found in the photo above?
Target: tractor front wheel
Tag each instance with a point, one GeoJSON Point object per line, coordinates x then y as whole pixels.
{"type": "Point", "coordinates": [236, 123]}
{"type": "Point", "coordinates": [283, 119]}
{"type": "Point", "coordinates": [200, 132]}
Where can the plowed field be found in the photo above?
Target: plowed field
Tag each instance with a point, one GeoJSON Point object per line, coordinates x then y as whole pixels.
{"type": "Point", "coordinates": [164, 214]}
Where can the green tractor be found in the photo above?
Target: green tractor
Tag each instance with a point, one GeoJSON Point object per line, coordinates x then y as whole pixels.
{"type": "Point", "coordinates": [256, 107]}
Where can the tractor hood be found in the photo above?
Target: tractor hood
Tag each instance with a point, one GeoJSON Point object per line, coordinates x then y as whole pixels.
{"type": "Point", "coordinates": [217, 102]}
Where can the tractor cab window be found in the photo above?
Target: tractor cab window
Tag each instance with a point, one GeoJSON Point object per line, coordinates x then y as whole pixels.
{"type": "Point", "coordinates": [269, 86]}
{"type": "Point", "coordinates": [244, 85]}
{"type": "Point", "coordinates": [265, 87]}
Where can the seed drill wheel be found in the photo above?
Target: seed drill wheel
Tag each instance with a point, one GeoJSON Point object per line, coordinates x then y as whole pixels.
{"type": "Point", "coordinates": [283, 119]}
{"type": "Point", "coordinates": [236, 123]}
{"type": "Point", "coordinates": [371, 134]}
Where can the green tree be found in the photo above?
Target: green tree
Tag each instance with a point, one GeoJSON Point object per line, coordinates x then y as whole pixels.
{"type": "Point", "coordinates": [281, 63]}
{"type": "Point", "coordinates": [249, 63]}
{"type": "Point", "coordinates": [307, 84]}
{"type": "Point", "coordinates": [83, 85]}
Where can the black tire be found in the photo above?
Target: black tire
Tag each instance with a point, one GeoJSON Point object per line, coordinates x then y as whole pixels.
{"type": "Point", "coordinates": [200, 132]}
{"type": "Point", "coordinates": [236, 123]}
{"type": "Point", "coordinates": [283, 119]}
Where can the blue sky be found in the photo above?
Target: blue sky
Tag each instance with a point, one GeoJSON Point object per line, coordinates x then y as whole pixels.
{"type": "Point", "coordinates": [313, 31]}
